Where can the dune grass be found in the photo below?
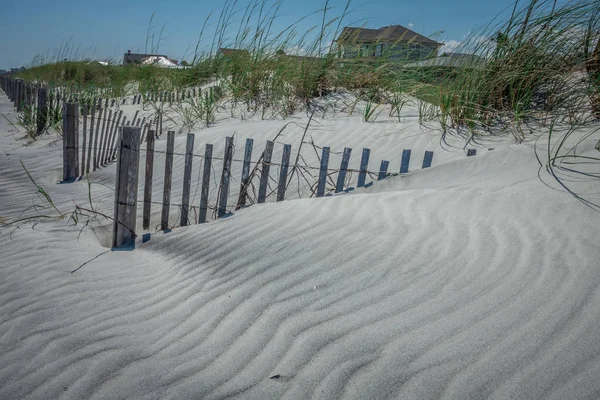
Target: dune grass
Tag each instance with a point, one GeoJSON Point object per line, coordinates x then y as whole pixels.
{"type": "Point", "coordinates": [540, 65]}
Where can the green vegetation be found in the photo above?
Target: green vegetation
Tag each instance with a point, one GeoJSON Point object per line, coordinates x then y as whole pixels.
{"type": "Point", "coordinates": [539, 66]}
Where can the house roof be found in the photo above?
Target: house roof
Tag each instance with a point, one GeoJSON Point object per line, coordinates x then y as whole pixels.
{"type": "Point", "coordinates": [386, 34]}
{"type": "Point", "coordinates": [234, 52]}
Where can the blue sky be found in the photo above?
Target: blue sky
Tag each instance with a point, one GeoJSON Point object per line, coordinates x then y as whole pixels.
{"type": "Point", "coordinates": [106, 29]}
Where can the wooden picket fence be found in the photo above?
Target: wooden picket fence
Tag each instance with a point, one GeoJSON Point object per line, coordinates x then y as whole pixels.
{"type": "Point", "coordinates": [131, 145]}
{"type": "Point", "coordinates": [107, 136]}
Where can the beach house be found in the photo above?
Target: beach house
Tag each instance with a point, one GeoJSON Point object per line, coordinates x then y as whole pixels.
{"type": "Point", "coordinates": [395, 42]}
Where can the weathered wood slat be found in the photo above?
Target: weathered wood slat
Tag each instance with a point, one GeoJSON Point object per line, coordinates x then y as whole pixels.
{"type": "Point", "coordinates": [90, 146]}
{"type": "Point", "coordinates": [245, 174]}
{"type": "Point", "coordinates": [125, 210]}
{"type": "Point", "coordinates": [120, 124]}
{"type": "Point", "coordinates": [112, 140]}
{"type": "Point", "coordinates": [264, 175]}
{"type": "Point", "coordinates": [283, 172]}
{"type": "Point", "coordinates": [187, 179]}
{"type": "Point", "coordinates": [166, 204]}
{"type": "Point", "coordinates": [427, 159]}
{"type": "Point", "coordinates": [364, 165]}
{"type": "Point", "coordinates": [225, 177]}
{"type": "Point", "coordinates": [84, 144]}
{"type": "Point", "coordinates": [405, 161]}
{"type": "Point", "coordinates": [323, 172]}
{"type": "Point", "coordinates": [205, 184]}
{"type": "Point", "coordinates": [42, 110]}
{"type": "Point", "coordinates": [339, 187]}
{"type": "Point", "coordinates": [70, 141]}
{"type": "Point", "coordinates": [148, 180]}
{"type": "Point", "coordinates": [383, 170]}
{"type": "Point", "coordinates": [106, 130]}
{"type": "Point", "coordinates": [101, 111]}
{"type": "Point", "coordinates": [102, 140]}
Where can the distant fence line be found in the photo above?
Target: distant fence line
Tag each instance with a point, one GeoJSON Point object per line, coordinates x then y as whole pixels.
{"type": "Point", "coordinates": [112, 137]}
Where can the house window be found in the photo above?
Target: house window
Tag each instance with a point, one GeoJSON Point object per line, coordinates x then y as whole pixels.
{"type": "Point", "coordinates": [364, 50]}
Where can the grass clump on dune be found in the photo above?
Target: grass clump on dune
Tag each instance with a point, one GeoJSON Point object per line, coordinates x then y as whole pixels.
{"type": "Point", "coordinates": [540, 65]}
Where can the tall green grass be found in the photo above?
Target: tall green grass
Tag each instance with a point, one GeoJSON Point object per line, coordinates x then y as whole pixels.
{"type": "Point", "coordinates": [539, 65]}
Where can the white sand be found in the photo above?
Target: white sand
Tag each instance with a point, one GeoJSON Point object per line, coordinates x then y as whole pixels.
{"type": "Point", "coordinates": [472, 279]}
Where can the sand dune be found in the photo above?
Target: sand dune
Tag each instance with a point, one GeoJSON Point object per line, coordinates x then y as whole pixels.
{"type": "Point", "coordinates": [472, 279]}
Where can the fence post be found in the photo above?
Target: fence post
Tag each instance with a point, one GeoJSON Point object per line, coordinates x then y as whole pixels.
{"type": "Point", "coordinates": [383, 170]}
{"type": "Point", "coordinates": [164, 221]}
{"type": "Point", "coordinates": [70, 141]}
{"type": "Point", "coordinates": [205, 184]}
{"type": "Point", "coordinates": [245, 174]}
{"type": "Point", "coordinates": [17, 95]}
{"type": "Point", "coordinates": [21, 98]}
{"type": "Point", "coordinates": [405, 161]}
{"type": "Point", "coordinates": [28, 96]}
{"type": "Point", "coordinates": [323, 172]}
{"type": "Point", "coordinates": [226, 174]}
{"type": "Point", "coordinates": [264, 173]}
{"type": "Point", "coordinates": [42, 110]}
{"type": "Point", "coordinates": [343, 168]}
{"type": "Point", "coordinates": [285, 163]}
{"type": "Point", "coordinates": [364, 164]}
{"type": "Point", "coordinates": [427, 159]}
{"type": "Point", "coordinates": [148, 180]}
{"type": "Point", "coordinates": [126, 187]}
{"type": "Point", "coordinates": [187, 179]}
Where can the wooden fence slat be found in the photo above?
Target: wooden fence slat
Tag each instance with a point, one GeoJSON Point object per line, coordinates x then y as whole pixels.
{"type": "Point", "coordinates": [164, 221]}
{"type": "Point", "coordinates": [264, 173]}
{"type": "Point", "coordinates": [245, 174]}
{"type": "Point", "coordinates": [427, 159]}
{"type": "Point", "coordinates": [383, 170]}
{"type": "Point", "coordinates": [143, 125]}
{"type": "Point", "coordinates": [120, 124]}
{"type": "Point", "coordinates": [225, 176]}
{"type": "Point", "coordinates": [134, 120]}
{"type": "Point", "coordinates": [110, 150]}
{"type": "Point", "coordinates": [205, 184]}
{"type": "Point", "coordinates": [283, 172]}
{"type": "Point", "coordinates": [105, 130]}
{"type": "Point", "coordinates": [102, 142]}
{"type": "Point", "coordinates": [323, 172]}
{"type": "Point", "coordinates": [90, 145]}
{"type": "Point", "coordinates": [364, 165]}
{"type": "Point", "coordinates": [148, 180]}
{"type": "Point", "coordinates": [42, 110]}
{"type": "Point", "coordinates": [70, 141]}
{"type": "Point", "coordinates": [125, 210]}
{"type": "Point", "coordinates": [187, 179]}
{"type": "Point", "coordinates": [83, 146]}
{"type": "Point", "coordinates": [405, 161]}
{"type": "Point", "coordinates": [343, 169]}
{"type": "Point", "coordinates": [96, 138]}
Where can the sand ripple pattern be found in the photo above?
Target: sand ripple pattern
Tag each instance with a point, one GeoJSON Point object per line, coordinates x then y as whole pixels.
{"type": "Point", "coordinates": [428, 294]}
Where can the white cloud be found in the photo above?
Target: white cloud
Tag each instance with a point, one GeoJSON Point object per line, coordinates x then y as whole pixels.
{"type": "Point", "coordinates": [296, 51]}
{"type": "Point", "coordinates": [450, 46]}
